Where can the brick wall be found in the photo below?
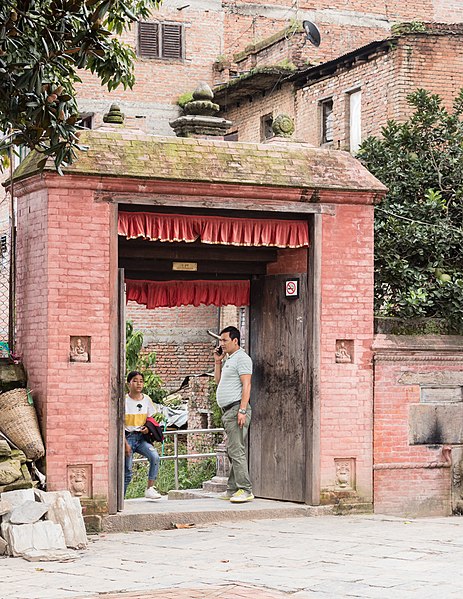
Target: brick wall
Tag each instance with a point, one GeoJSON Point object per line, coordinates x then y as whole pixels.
{"type": "Point", "coordinates": [347, 315]}
{"type": "Point", "coordinates": [422, 60]}
{"type": "Point", "coordinates": [246, 116]}
{"type": "Point", "coordinates": [214, 29]}
{"type": "Point", "coordinates": [410, 480]}
{"type": "Point", "coordinates": [179, 338]}
{"type": "Point", "coordinates": [64, 281]}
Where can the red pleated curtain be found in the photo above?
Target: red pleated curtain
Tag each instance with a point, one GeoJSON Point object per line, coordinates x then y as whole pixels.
{"type": "Point", "coordinates": [247, 232]}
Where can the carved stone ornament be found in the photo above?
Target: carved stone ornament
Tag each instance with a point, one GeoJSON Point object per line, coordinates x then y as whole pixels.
{"type": "Point", "coordinates": [80, 480]}
{"type": "Point", "coordinates": [283, 126]}
{"type": "Point", "coordinates": [79, 349]}
{"type": "Point", "coordinates": [343, 352]}
{"type": "Point", "coordinates": [345, 473]}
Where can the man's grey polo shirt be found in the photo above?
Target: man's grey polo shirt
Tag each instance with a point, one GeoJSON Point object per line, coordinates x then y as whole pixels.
{"type": "Point", "coordinates": [230, 386]}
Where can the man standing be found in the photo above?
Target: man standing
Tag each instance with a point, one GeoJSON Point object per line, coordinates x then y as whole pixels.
{"type": "Point", "coordinates": [232, 373]}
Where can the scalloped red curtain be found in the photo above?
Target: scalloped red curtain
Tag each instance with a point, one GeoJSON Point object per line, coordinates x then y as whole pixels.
{"type": "Point", "coordinates": [170, 294]}
{"type": "Point", "coordinates": [214, 229]}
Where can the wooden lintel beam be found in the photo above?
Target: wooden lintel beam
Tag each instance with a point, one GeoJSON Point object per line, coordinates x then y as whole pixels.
{"type": "Point", "coordinates": [219, 268]}
{"type": "Point", "coordinates": [222, 202]}
{"type": "Point", "coordinates": [140, 275]}
{"type": "Point", "coordinates": [139, 249]}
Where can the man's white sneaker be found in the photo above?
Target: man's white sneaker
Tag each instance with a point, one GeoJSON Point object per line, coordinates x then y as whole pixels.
{"type": "Point", "coordinates": [241, 496]}
{"type": "Point", "coordinates": [226, 496]}
{"type": "Point", "coordinates": [151, 493]}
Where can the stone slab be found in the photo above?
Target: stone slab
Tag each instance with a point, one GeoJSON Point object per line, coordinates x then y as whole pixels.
{"type": "Point", "coordinates": [65, 510]}
{"type": "Point", "coordinates": [433, 424]}
{"type": "Point", "coordinates": [15, 498]}
{"type": "Point", "coordinates": [10, 471]}
{"type": "Point", "coordinates": [5, 507]}
{"type": "Point", "coordinates": [5, 449]}
{"type": "Point", "coordinates": [40, 536]}
{"type": "Point", "coordinates": [28, 512]}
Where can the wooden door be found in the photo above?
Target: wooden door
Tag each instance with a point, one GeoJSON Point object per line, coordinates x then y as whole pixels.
{"type": "Point", "coordinates": [278, 347]}
{"type": "Point", "coordinates": [121, 395]}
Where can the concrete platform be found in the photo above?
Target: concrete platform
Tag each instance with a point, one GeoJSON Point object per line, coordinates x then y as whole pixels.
{"type": "Point", "coordinates": [196, 508]}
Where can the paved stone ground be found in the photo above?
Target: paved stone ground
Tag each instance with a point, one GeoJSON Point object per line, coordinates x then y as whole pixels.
{"type": "Point", "coordinates": [330, 557]}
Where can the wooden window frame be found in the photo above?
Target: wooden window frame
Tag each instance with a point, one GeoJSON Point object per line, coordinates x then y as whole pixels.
{"type": "Point", "coordinates": [153, 42]}
{"type": "Point", "coordinates": [265, 126]}
{"type": "Point", "coordinates": [324, 140]}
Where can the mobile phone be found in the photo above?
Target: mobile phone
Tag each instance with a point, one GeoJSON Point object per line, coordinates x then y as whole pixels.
{"type": "Point", "coordinates": [219, 351]}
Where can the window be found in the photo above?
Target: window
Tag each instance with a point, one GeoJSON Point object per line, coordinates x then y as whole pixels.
{"type": "Point", "coordinates": [266, 130]}
{"type": "Point", "coordinates": [326, 111]}
{"type": "Point", "coordinates": [355, 120]}
{"type": "Point", "coordinates": [160, 40]}
{"type": "Point", "coordinates": [86, 120]}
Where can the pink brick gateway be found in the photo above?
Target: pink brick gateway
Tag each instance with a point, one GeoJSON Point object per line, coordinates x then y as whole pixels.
{"type": "Point", "coordinates": [312, 434]}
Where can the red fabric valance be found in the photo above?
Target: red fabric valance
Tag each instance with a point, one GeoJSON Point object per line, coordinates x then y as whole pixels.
{"type": "Point", "coordinates": [171, 294]}
{"type": "Point", "coordinates": [214, 229]}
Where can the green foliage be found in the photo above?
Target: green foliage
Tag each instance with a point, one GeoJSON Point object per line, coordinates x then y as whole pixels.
{"type": "Point", "coordinates": [184, 99]}
{"type": "Point", "coordinates": [43, 43]}
{"type": "Point", "coordinates": [418, 227]}
{"type": "Point", "coordinates": [135, 359]}
{"type": "Point", "coordinates": [190, 476]}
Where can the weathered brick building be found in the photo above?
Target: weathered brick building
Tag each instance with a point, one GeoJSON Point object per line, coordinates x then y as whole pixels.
{"type": "Point", "coordinates": [209, 40]}
{"type": "Point", "coordinates": [340, 102]}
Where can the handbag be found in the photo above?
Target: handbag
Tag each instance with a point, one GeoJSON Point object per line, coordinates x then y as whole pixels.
{"type": "Point", "coordinates": [155, 431]}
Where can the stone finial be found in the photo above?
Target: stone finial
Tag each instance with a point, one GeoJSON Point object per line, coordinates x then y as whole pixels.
{"type": "Point", "coordinates": [200, 117]}
{"type": "Point", "coordinates": [115, 116]}
{"type": "Point", "coordinates": [203, 92]}
{"type": "Point", "coordinates": [283, 126]}
{"type": "Point", "coordinates": [202, 104]}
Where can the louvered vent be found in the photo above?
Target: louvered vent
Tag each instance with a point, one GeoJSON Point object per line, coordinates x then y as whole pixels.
{"type": "Point", "coordinates": [172, 41]}
{"type": "Point", "coordinates": [148, 40]}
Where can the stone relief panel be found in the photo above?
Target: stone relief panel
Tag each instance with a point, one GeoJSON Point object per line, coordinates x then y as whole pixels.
{"type": "Point", "coordinates": [344, 353]}
{"type": "Point", "coordinates": [345, 473]}
{"type": "Point", "coordinates": [457, 480]}
{"type": "Point", "coordinates": [79, 348]}
{"type": "Point", "coordinates": [80, 480]}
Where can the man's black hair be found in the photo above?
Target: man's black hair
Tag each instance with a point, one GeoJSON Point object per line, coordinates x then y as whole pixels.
{"type": "Point", "coordinates": [233, 332]}
{"type": "Point", "coordinates": [134, 373]}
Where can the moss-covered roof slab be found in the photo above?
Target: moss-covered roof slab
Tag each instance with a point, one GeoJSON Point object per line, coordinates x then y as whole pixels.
{"type": "Point", "coordinates": [123, 152]}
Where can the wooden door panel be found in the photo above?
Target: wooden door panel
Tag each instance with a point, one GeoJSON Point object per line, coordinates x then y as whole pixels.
{"type": "Point", "coordinates": [278, 346]}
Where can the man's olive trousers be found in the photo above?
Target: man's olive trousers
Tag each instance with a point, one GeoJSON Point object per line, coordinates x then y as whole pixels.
{"type": "Point", "coordinates": [237, 449]}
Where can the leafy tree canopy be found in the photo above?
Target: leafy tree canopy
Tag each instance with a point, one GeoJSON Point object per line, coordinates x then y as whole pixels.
{"type": "Point", "coordinates": [418, 227]}
{"type": "Point", "coordinates": [43, 43]}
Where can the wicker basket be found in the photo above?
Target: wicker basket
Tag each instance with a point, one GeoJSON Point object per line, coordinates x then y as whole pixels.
{"type": "Point", "coordinates": [18, 421]}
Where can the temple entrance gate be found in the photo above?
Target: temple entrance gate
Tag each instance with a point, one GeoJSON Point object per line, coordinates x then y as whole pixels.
{"type": "Point", "coordinates": [279, 331]}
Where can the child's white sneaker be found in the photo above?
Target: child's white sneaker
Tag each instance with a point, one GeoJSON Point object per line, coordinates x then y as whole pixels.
{"type": "Point", "coordinates": [151, 493]}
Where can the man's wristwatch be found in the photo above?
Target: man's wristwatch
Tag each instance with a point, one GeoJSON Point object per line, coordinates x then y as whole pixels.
{"type": "Point", "coordinates": [241, 411]}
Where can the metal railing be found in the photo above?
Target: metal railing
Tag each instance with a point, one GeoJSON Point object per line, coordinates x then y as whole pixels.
{"type": "Point", "coordinates": [182, 456]}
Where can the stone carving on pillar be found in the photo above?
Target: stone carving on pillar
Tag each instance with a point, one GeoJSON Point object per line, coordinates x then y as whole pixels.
{"type": "Point", "coordinates": [345, 473]}
{"type": "Point", "coordinates": [201, 116]}
{"type": "Point", "coordinates": [457, 480]}
{"type": "Point", "coordinates": [344, 351]}
{"type": "Point", "coordinates": [80, 480]}
{"type": "Point", "coordinates": [79, 349]}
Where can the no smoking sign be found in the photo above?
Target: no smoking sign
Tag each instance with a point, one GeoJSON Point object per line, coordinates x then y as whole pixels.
{"type": "Point", "coordinates": [292, 288]}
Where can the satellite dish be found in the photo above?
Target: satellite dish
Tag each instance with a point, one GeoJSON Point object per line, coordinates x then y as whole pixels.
{"type": "Point", "coordinates": [312, 32]}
